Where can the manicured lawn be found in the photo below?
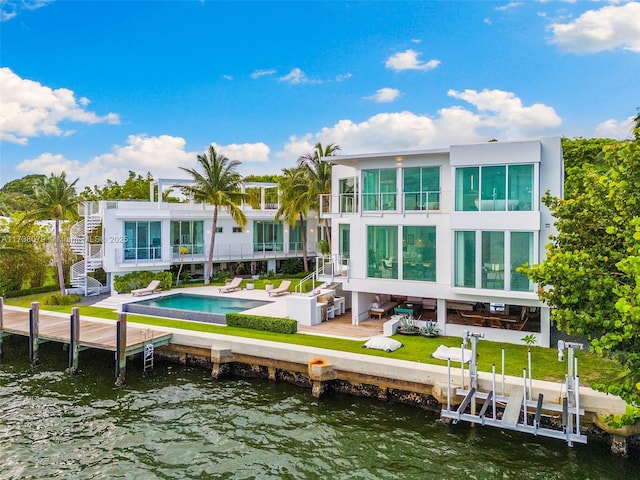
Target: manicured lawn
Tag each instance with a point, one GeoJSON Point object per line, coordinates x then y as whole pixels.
{"type": "Point", "coordinates": [416, 349]}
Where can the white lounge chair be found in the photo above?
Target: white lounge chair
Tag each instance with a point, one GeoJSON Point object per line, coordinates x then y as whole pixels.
{"type": "Point", "coordinates": [233, 285]}
{"type": "Point", "coordinates": [283, 289]}
{"type": "Point", "coordinates": [153, 287]}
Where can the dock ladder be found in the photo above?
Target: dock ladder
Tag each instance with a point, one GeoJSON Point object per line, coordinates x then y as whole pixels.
{"type": "Point", "coordinates": [148, 352]}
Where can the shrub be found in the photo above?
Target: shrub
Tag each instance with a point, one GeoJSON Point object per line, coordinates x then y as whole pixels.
{"type": "Point", "coordinates": [134, 280]}
{"type": "Point", "coordinates": [266, 324]}
{"type": "Point", "coordinates": [57, 299]}
{"type": "Point", "coordinates": [292, 266]}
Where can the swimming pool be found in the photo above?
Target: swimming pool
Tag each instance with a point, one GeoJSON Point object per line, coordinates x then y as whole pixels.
{"type": "Point", "coordinates": [184, 306]}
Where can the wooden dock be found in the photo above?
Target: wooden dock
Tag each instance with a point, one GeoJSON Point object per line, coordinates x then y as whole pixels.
{"type": "Point", "coordinates": [80, 334]}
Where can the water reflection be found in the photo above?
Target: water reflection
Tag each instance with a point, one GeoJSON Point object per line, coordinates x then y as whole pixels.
{"type": "Point", "coordinates": [177, 424]}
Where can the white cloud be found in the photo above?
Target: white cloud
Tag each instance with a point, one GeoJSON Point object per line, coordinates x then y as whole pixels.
{"type": "Point", "coordinates": [29, 109]}
{"type": "Point", "coordinates": [296, 77]}
{"type": "Point", "coordinates": [343, 77]}
{"type": "Point", "coordinates": [505, 111]}
{"type": "Point", "coordinates": [496, 114]}
{"type": "Point", "coordinates": [385, 95]}
{"type": "Point", "coordinates": [160, 155]}
{"type": "Point", "coordinates": [594, 31]}
{"type": "Point", "coordinates": [10, 8]}
{"type": "Point", "coordinates": [408, 60]}
{"type": "Point", "coordinates": [262, 73]}
{"type": "Point", "coordinates": [245, 152]}
{"type": "Point", "coordinates": [615, 129]}
{"type": "Point", "coordinates": [509, 6]}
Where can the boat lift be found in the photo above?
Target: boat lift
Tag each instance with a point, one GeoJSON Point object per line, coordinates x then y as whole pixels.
{"type": "Point", "coordinates": [520, 413]}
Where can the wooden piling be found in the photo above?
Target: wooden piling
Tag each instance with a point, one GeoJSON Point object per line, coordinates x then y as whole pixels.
{"type": "Point", "coordinates": [1, 329]}
{"type": "Point", "coordinates": [74, 336]}
{"type": "Point", "coordinates": [34, 327]}
{"type": "Point", "coordinates": [121, 348]}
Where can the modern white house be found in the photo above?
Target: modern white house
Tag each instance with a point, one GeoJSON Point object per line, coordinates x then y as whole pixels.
{"type": "Point", "coordinates": [127, 236]}
{"type": "Point", "coordinates": [441, 233]}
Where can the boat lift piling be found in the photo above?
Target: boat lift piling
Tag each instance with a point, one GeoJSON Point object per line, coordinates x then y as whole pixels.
{"type": "Point", "coordinates": [520, 402]}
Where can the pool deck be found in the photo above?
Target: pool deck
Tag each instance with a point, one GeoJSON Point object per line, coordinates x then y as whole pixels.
{"type": "Point", "coordinates": [338, 327]}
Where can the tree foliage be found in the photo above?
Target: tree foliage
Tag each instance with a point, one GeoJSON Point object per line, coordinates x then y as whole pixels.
{"type": "Point", "coordinates": [218, 185]}
{"type": "Point", "coordinates": [318, 173]}
{"type": "Point", "coordinates": [23, 254]}
{"type": "Point", "coordinates": [135, 187]}
{"type": "Point", "coordinates": [16, 194]}
{"type": "Point", "coordinates": [54, 199]}
{"type": "Point", "coordinates": [591, 274]}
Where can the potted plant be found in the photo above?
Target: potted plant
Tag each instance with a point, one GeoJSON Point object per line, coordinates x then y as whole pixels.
{"type": "Point", "coordinates": [430, 329]}
{"type": "Point", "coordinates": [408, 326]}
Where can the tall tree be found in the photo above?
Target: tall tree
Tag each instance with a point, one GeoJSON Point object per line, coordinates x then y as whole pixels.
{"type": "Point", "coordinates": [54, 199]}
{"type": "Point", "coordinates": [218, 185]}
{"type": "Point", "coordinates": [295, 199]}
{"type": "Point", "coordinates": [591, 275]}
{"type": "Point", "coordinates": [319, 174]}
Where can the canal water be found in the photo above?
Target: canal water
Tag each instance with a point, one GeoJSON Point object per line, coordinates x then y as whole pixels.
{"type": "Point", "coordinates": [178, 424]}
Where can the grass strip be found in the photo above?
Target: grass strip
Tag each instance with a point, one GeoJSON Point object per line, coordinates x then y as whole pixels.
{"type": "Point", "coordinates": [592, 368]}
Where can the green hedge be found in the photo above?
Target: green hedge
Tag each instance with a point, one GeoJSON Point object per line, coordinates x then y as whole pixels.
{"type": "Point", "coordinates": [32, 291]}
{"type": "Point", "coordinates": [266, 324]}
{"type": "Point", "coordinates": [134, 280]}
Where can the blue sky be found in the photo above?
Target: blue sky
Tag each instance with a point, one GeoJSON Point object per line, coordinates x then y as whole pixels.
{"type": "Point", "coordinates": [101, 88]}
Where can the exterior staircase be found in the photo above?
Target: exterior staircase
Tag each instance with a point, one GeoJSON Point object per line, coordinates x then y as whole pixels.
{"type": "Point", "coordinates": [91, 253]}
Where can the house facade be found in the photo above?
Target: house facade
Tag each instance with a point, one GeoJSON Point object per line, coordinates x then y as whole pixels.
{"type": "Point", "coordinates": [443, 232]}
{"type": "Point", "coordinates": [127, 236]}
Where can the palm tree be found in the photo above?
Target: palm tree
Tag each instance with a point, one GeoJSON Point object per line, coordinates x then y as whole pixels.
{"type": "Point", "coordinates": [54, 199]}
{"type": "Point", "coordinates": [295, 198]}
{"type": "Point", "coordinates": [218, 185]}
{"type": "Point", "coordinates": [319, 174]}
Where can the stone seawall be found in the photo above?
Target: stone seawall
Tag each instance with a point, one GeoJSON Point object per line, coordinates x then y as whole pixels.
{"type": "Point", "coordinates": [412, 383]}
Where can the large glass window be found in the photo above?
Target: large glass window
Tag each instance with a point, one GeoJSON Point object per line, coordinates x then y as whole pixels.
{"type": "Point", "coordinates": [521, 253]}
{"type": "Point", "coordinates": [348, 195]}
{"type": "Point", "coordinates": [498, 184]}
{"type": "Point", "coordinates": [493, 260]}
{"type": "Point", "coordinates": [467, 188]}
{"type": "Point", "coordinates": [494, 188]}
{"type": "Point", "coordinates": [379, 189]}
{"type": "Point", "coordinates": [143, 240]}
{"type": "Point", "coordinates": [382, 243]}
{"type": "Point", "coordinates": [521, 187]}
{"type": "Point", "coordinates": [465, 260]}
{"type": "Point", "coordinates": [344, 230]}
{"type": "Point", "coordinates": [421, 187]}
{"type": "Point", "coordinates": [188, 234]}
{"type": "Point", "coordinates": [295, 236]}
{"type": "Point", "coordinates": [419, 253]}
{"type": "Point", "coordinates": [267, 236]}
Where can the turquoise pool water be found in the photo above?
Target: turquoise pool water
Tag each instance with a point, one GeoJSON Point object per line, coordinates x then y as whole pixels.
{"type": "Point", "coordinates": [200, 308]}
{"type": "Point", "coordinates": [199, 303]}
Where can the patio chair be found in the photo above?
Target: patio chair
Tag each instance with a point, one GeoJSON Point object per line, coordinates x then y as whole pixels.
{"type": "Point", "coordinates": [283, 289]}
{"type": "Point", "coordinates": [233, 286]}
{"type": "Point", "coordinates": [153, 287]}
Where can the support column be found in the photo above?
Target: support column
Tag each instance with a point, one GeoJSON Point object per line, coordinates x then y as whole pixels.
{"type": "Point", "coordinates": [320, 373]}
{"type": "Point", "coordinates": [619, 445]}
{"type": "Point", "coordinates": [74, 337]}
{"type": "Point", "coordinates": [221, 358]}
{"type": "Point", "coordinates": [121, 348]}
{"type": "Point", "coordinates": [34, 327]}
